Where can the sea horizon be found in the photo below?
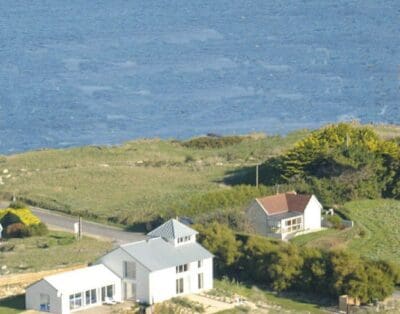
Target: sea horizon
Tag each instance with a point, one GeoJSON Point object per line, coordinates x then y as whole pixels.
{"type": "Point", "coordinates": [75, 74]}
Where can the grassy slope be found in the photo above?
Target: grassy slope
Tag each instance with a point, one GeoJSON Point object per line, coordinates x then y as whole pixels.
{"type": "Point", "coordinates": [31, 254]}
{"type": "Point", "coordinates": [375, 235]}
{"type": "Point", "coordinates": [136, 179]}
{"type": "Point", "coordinates": [290, 304]}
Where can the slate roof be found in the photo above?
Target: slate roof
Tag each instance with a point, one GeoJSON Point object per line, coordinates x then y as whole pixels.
{"type": "Point", "coordinates": [82, 279]}
{"type": "Point", "coordinates": [156, 253]}
{"type": "Point", "coordinates": [172, 229]}
{"type": "Point", "coordinates": [284, 203]}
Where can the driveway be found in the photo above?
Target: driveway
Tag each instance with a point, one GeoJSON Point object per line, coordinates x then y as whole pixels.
{"type": "Point", "coordinates": [63, 222]}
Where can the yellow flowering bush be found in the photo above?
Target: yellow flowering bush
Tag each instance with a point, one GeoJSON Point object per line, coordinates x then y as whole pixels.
{"type": "Point", "coordinates": [24, 215]}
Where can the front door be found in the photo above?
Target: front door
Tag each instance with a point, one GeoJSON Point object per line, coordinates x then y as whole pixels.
{"type": "Point", "coordinates": [129, 291]}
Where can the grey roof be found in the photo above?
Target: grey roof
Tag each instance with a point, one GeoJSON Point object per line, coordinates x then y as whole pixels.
{"type": "Point", "coordinates": [156, 254]}
{"type": "Point", "coordinates": [172, 229]}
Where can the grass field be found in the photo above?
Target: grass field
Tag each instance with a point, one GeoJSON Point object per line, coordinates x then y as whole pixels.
{"type": "Point", "coordinates": [131, 182]}
{"type": "Point", "coordinates": [376, 233]}
{"type": "Point", "coordinates": [56, 250]}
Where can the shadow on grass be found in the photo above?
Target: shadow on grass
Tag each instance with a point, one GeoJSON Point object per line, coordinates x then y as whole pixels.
{"type": "Point", "coordinates": [13, 304]}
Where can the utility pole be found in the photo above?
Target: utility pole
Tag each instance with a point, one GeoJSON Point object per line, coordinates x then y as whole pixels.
{"type": "Point", "coordinates": [257, 175]}
{"type": "Point", "coordinates": [80, 228]}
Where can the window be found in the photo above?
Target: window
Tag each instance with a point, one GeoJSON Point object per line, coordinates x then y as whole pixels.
{"type": "Point", "coordinates": [183, 239]}
{"type": "Point", "coordinates": [110, 291]}
{"type": "Point", "coordinates": [107, 292]}
{"type": "Point", "coordinates": [200, 281]}
{"type": "Point", "coordinates": [182, 268]}
{"type": "Point", "coordinates": [44, 302]}
{"type": "Point", "coordinates": [75, 301]}
{"type": "Point", "coordinates": [130, 270]}
{"type": "Point", "coordinates": [293, 224]}
{"type": "Point", "coordinates": [199, 264]}
{"type": "Point", "coordinates": [91, 296]}
{"type": "Point", "coordinates": [179, 286]}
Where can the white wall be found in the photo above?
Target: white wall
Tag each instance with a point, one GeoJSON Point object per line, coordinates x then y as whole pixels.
{"type": "Point", "coordinates": [163, 282]}
{"type": "Point", "coordinates": [32, 297]}
{"type": "Point", "coordinates": [114, 261]}
{"type": "Point", "coordinates": [312, 214]}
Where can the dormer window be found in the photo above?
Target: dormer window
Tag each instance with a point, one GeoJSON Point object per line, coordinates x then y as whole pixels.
{"type": "Point", "coordinates": [184, 239]}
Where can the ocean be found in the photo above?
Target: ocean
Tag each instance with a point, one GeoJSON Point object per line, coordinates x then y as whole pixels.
{"type": "Point", "coordinates": [103, 72]}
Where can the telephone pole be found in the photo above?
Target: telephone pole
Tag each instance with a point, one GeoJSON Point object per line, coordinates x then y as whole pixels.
{"type": "Point", "coordinates": [257, 166]}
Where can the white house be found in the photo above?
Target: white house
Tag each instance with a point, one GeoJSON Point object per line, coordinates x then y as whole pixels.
{"type": "Point", "coordinates": [74, 290]}
{"type": "Point", "coordinates": [169, 263]}
{"type": "Point", "coordinates": [285, 215]}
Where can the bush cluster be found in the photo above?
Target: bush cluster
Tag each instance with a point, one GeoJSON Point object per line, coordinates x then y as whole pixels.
{"type": "Point", "coordinates": [213, 142]}
{"type": "Point", "coordinates": [21, 223]}
{"type": "Point", "coordinates": [339, 163]}
{"type": "Point", "coordinates": [283, 267]}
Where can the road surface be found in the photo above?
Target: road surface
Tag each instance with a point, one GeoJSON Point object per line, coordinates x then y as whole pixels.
{"type": "Point", "coordinates": [64, 222]}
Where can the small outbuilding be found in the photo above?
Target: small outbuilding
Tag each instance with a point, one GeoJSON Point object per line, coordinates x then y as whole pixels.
{"type": "Point", "coordinates": [74, 290]}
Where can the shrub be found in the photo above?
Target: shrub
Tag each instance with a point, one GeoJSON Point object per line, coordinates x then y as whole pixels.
{"type": "Point", "coordinates": [8, 219]}
{"type": "Point", "coordinates": [17, 205]}
{"type": "Point", "coordinates": [336, 221]}
{"type": "Point", "coordinates": [213, 142]}
{"type": "Point", "coordinates": [16, 230]}
{"type": "Point", "coordinates": [189, 158]}
{"type": "Point", "coordinates": [24, 214]}
{"type": "Point", "coordinates": [37, 230]}
{"type": "Point", "coordinates": [7, 247]}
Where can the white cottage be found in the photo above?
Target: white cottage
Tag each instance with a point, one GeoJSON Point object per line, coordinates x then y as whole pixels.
{"type": "Point", "coordinates": [285, 215]}
{"type": "Point", "coordinates": [74, 290]}
{"type": "Point", "coordinates": [169, 263]}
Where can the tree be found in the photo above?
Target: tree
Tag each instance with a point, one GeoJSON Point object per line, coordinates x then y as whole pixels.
{"type": "Point", "coordinates": [221, 241]}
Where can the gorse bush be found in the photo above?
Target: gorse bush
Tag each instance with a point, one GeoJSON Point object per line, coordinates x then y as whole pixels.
{"type": "Point", "coordinates": [283, 267]}
{"type": "Point", "coordinates": [24, 215]}
{"type": "Point", "coordinates": [20, 223]}
{"type": "Point", "coordinates": [339, 163]}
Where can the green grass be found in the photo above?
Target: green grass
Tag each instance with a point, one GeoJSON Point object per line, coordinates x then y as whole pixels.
{"type": "Point", "coordinates": [376, 233]}
{"type": "Point", "coordinates": [293, 304]}
{"type": "Point", "coordinates": [379, 221]}
{"type": "Point", "coordinates": [132, 182]}
{"type": "Point", "coordinates": [56, 250]}
{"type": "Point", "coordinates": [12, 305]}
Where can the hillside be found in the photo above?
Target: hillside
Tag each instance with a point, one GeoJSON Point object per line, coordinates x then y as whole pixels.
{"type": "Point", "coordinates": [139, 180]}
{"type": "Point", "coordinates": [132, 182]}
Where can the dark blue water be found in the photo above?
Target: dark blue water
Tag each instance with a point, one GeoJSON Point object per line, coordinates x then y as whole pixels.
{"type": "Point", "coordinates": [97, 72]}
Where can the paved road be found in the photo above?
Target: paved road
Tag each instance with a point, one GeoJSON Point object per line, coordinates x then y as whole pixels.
{"type": "Point", "coordinates": [63, 222]}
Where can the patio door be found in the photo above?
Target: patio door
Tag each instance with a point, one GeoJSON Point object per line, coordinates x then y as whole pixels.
{"type": "Point", "coordinates": [129, 291]}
